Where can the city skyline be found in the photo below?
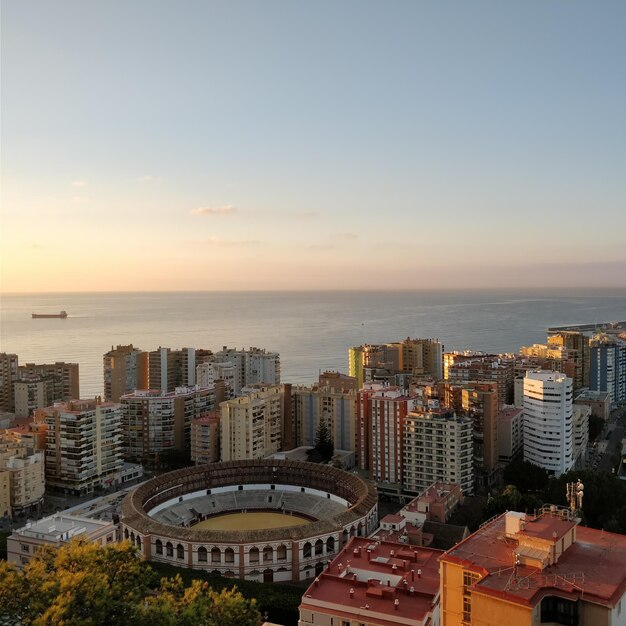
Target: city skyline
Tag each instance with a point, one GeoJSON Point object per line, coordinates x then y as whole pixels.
{"type": "Point", "coordinates": [278, 146]}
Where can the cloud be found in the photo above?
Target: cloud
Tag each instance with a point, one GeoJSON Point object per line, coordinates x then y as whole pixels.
{"type": "Point", "coordinates": [346, 236]}
{"type": "Point", "coordinates": [79, 183]}
{"type": "Point", "coordinates": [227, 209]}
{"type": "Point", "coordinates": [148, 179]}
{"type": "Point", "coordinates": [37, 246]}
{"type": "Point", "coordinates": [80, 199]}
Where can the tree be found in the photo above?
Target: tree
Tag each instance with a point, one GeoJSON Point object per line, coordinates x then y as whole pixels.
{"type": "Point", "coordinates": [526, 476]}
{"type": "Point", "coordinates": [324, 448]}
{"type": "Point", "coordinates": [596, 426]}
{"type": "Point", "coordinates": [83, 584]}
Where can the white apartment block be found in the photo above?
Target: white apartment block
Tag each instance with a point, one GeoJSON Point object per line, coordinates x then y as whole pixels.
{"type": "Point", "coordinates": [548, 421]}
{"type": "Point", "coordinates": [83, 444]}
{"type": "Point", "coordinates": [251, 425]}
{"type": "Point", "coordinates": [437, 447]}
{"type": "Point", "coordinates": [208, 373]}
{"type": "Point", "coordinates": [252, 367]}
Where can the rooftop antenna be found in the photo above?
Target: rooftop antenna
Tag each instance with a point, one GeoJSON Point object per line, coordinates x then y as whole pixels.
{"type": "Point", "coordinates": [575, 493]}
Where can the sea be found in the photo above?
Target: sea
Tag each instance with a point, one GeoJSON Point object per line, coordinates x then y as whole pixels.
{"type": "Point", "coordinates": [312, 330]}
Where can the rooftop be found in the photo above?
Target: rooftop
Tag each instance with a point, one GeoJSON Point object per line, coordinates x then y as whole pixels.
{"type": "Point", "coordinates": [593, 566]}
{"type": "Point", "coordinates": [386, 581]}
{"type": "Point", "coordinates": [60, 527]}
{"type": "Point", "coordinates": [507, 415]}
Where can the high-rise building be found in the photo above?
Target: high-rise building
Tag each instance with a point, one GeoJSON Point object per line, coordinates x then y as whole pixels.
{"type": "Point", "coordinates": [577, 344]}
{"type": "Point", "coordinates": [66, 378]}
{"type": "Point", "coordinates": [125, 369]}
{"type": "Point", "coordinates": [83, 444]}
{"type": "Point", "coordinates": [251, 425]}
{"type": "Point", "coordinates": [255, 366]}
{"type": "Point", "coordinates": [8, 375]}
{"type": "Point", "coordinates": [510, 434]}
{"type": "Point", "coordinates": [526, 570]}
{"type": "Point", "coordinates": [479, 402]}
{"type": "Point", "coordinates": [205, 438]}
{"type": "Point", "coordinates": [208, 375]}
{"type": "Point", "coordinates": [548, 423]}
{"type": "Point", "coordinates": [387, 411]}
{"type": "Point", "coordinates": [336, 408]}
{"type": "Point", "coordinates": [34, 393]}
{"type": "Point", "coordinates": [437, 445]}
{"type": "Point", "coordinates": [499, 369]}
{"type": "Point", "coordinates": [155, 422]}
{"type": "Point", "coordinates": [607, 368]}
{"type": "Point", "coordinates": [413, 357]}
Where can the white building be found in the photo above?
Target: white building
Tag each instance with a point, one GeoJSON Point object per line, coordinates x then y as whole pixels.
{"type": "Point", "coordinates": [208, 373]}
{"type": "Point", "coordinates": [580, 420]}
{"type": "Point", "coordinates": [251, 367]}
{"type": "Point", "coordinates": [56, 531]}
{"type": "Point", "coordinates": [548, 421]}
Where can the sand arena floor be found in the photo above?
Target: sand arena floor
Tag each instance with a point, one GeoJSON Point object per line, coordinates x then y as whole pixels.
{"type": "Point", "coordinates": [250, 521]}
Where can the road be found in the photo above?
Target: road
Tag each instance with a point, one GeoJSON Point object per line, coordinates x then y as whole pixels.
{"type": "Point", "coordinates": [617, 427]}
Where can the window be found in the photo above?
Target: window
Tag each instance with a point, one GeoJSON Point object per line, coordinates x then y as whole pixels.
{"type": "Point", "coordinates": [560, 610]}
{"type": "Point", "coordinates": [25, 548]}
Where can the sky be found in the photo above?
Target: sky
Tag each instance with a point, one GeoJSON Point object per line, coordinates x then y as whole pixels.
{"type": "Point", "coordinates": [235, 145]}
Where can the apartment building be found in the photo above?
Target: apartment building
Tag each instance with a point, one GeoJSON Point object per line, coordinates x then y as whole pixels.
{"type": "Point", "coordinates": [499, 369]}
{"type": "Point", "coordinates": [322, 403]}
{"type": "Point", "coordinates": [155, 422]}
{"type": "Point", "coordinates": [205, 438]}
{"type": "Point", "coordinates": [66, 377]}
{"type": "Point", "coordinates": [527, 570]}
{"type": "Point", "coordinates": [578, 345]}
{"type": "Point", "coordinates": [35, 393]}
{"type": "Point", "coordinates": [548, 423]}
{"type": "Point", "coordinates": [413, 357]}
{"type": "Point", "coordinates": [125, 369]}
{"type": "Point", "coordinates": [8, 375]}
{"type": "Point", "coordinates": [251, 425]}
{"type": "Point", "coordinates": [607, 368]}
{"type": "Point", "coordinates": [83, 444]}
{"type": "Point", "coordinates": [251, 367]}
{"type": "Point", "coordinates": [437, 446]}
{"type": "Point", "coordinates": [510, 434]}
{"type": "Point", "coordinates": [479, 402]}
{"type": "Point", "coordinates": [580, 431]}
{"type": "Point", "coordinates": [23, 470]}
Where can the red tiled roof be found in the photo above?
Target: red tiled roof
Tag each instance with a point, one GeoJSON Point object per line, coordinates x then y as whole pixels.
{"type": "Point", "coordinates": [368, 577]}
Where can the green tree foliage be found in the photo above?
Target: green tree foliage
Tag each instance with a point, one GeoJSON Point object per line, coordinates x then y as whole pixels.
{"type": "Point", "coordinates": [83, 584]}
{"type": "Point", "coordinates": [525, 476]}
{"type": "Point", "coordinates": [324, 447]}
{"type": "Point", "coordinates": [596, 426]}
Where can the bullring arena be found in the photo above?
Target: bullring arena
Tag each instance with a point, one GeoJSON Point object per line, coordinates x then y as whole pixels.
{"type": "Point", "coordinates": [264, 520]}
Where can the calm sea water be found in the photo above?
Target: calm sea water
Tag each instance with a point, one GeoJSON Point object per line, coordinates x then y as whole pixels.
{"type": "Point", "coordinates": [312, 331]}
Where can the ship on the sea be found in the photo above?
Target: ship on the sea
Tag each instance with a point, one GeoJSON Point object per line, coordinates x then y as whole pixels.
{"type": "Point", "coordinates": [61, 315]}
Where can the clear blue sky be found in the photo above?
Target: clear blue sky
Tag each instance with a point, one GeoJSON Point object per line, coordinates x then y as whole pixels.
{"type": "Point", "coordinates": [350, 144]}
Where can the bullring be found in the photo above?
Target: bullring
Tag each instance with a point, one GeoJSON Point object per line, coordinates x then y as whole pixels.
{"type": "Point", "coordinates": [164, 517]}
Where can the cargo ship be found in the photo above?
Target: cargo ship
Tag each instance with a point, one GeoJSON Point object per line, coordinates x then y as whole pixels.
{"type": "Point", "coordinates": [62, 315]}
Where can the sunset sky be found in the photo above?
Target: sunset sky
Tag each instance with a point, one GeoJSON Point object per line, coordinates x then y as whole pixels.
{"type": "Point", "coordinates": [151, 145]}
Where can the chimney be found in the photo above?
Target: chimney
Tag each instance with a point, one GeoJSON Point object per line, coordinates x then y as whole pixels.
{"type": "Point", "coordinates": [412, 591]}
{"type": "Point", "coordinates": [412, 575]}
{"type": "Point", "coordinates": [317, 581]}
{"type": "Point", "coordinates": [352, 592]}
{"type": "Point", "coordinates": [396, 604]}
{"type": "Point", "coordinates": [419, 573]}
